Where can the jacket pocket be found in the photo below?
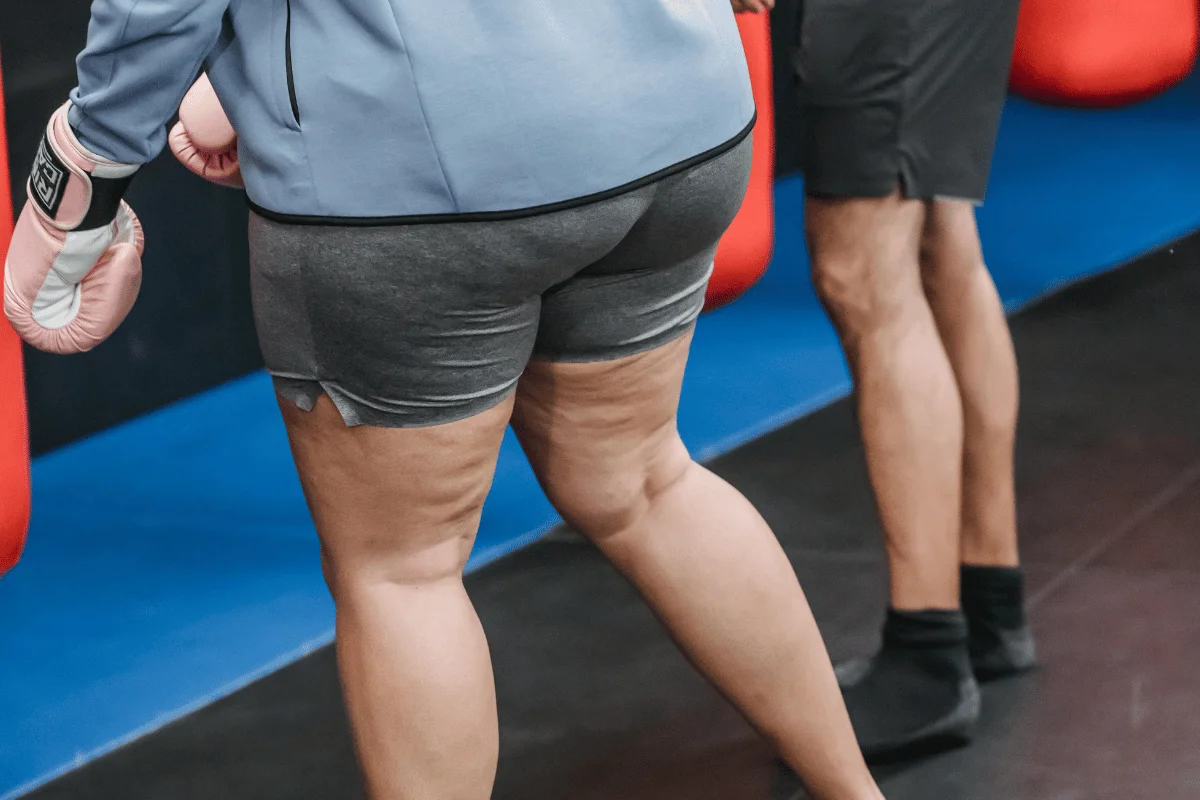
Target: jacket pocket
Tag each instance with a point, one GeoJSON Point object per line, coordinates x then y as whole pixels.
{"type": "Point", "coordinates": [287, 60]}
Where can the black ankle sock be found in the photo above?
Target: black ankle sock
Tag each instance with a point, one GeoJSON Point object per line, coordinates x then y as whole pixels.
{"type": "Point", "coordinates": [932, 641]}
{"type": "Point", "coordinates": [931, 627]}
{"type": "Point", "coordinates": [994, 596]}
{"type": "Point", "coordinates": [915, 680]}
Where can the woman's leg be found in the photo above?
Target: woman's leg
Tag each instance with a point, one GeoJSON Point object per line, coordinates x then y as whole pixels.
{"type": "Point", "coordinates": [397, 510]}
{"type": "Point", "coordinates": [602, 438]}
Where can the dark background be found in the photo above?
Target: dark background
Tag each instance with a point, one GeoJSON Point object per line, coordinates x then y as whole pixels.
{"type": "Point", "coordinates": [191, 328]}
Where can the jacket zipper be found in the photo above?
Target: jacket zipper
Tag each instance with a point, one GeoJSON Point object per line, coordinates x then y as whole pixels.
{"type": "Point", "coordinates": [291, 80]}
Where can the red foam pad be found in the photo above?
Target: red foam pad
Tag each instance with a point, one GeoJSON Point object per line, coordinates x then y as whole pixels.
{"type": "Point", "coordinates": [745, 250]}
{"type": "Point", "coordinates": [14, 431]}
{"type": "Point", "coordinates": [1103, 52]}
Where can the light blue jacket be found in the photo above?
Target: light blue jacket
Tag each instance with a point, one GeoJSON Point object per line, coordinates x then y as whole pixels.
{"type": "Point", "coordinates": [369, 110]}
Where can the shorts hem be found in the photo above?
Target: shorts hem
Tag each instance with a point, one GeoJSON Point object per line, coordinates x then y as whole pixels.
{"type": "Point", "coordinates": [303, 393]}
{"type": "Point", "coordinates": [908, 186]}
{"type": "Point", "coordinates": [616, 353]}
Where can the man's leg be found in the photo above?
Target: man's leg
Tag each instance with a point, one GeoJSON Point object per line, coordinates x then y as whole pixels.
{"type": "Point", "coordinates": [973, 327]}
{"type": "Point", "coordinates": [918, 692]}
{"type": "Point", "coordinates": [867, 273]}
{"type": "Point", "coordinates": [974, 330]}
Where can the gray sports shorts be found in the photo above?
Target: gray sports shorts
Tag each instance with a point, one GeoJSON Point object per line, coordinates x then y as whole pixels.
{"type": "Point", "coordinates": [422, 324]}
{"type": "Point", "coordinates": [902, 94]}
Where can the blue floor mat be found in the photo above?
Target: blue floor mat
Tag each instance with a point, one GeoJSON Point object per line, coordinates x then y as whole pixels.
{"type": "Point", "coordinates": [171, 560]}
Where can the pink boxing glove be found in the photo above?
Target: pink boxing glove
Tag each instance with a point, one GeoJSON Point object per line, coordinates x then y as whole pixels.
{"type": "Point", "coordinates": [74, 265]}
{"type": "Point", "coordinates": [203, 140]}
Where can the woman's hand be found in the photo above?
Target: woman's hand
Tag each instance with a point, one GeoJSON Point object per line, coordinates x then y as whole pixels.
{"type": "Point", "coordinates": [204, 140]}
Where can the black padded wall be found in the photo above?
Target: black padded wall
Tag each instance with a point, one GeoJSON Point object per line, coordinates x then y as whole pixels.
{"type": "Point", "coordinates": [787, 108]}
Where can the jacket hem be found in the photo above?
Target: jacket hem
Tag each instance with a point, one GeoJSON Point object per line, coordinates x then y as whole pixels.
{"type": "Point", "coordinates": [498, 216]}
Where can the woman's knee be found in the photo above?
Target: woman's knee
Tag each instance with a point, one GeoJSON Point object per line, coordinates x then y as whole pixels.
{"type": "Point", "coordinates": [603, 499]}
{"type": "Point", "coordinates": [602, 436]}
{"type": "Point", "coordinates": [414, 549]}
{"type": "Point", "coordinates": [602, 479]}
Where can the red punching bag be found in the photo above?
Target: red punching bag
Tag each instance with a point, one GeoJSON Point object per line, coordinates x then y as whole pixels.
{"type": "Point", "coordinates": [14, 432]}
{"type": "Point", "coordinates": [745, 250]}
{"type": "Point", "coordinates": [1103, 52]}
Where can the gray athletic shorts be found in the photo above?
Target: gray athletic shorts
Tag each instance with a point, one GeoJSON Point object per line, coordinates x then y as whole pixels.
{"type": "Point", "coordinates": [902, 94]}
{"type": "Point", "coordinates": [421, 324]}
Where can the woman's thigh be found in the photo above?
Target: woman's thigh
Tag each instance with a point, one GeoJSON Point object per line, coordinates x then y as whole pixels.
{"type": "Point", "coordinates": [394, 504]}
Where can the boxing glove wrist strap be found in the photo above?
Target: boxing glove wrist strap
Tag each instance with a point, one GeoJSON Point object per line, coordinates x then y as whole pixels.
{"type": "Point", "coordinates": [72, 188]}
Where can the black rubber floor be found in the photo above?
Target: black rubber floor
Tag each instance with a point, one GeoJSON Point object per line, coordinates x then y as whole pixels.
{"type": "Point", "coordinates": [596, 704]}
